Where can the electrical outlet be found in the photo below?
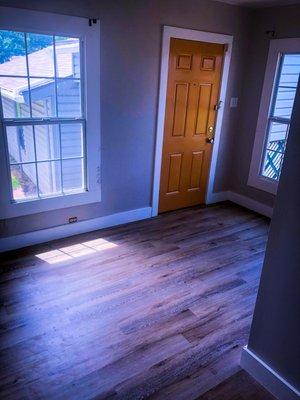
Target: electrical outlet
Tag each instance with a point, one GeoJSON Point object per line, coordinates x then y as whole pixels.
{"type": "Point", "coordinates": [234, 102]}
{"type": "Point", "coordinates": [72, 220]}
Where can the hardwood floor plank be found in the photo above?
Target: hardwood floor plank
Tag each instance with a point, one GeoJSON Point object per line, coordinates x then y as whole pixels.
{"type": "Point", "coordinates": [240, 386]}
{"type": "Point", "coordinates": [154, 309]}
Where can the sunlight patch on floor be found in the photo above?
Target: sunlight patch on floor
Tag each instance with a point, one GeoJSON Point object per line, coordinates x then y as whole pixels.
{"type": "Point", "coordinates": [76, 250]}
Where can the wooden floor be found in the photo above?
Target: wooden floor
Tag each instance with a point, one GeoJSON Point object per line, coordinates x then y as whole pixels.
{"type": "Point", "coordinates": [240, 386]}
{"type": "Point", "coordinates": [156, 309]}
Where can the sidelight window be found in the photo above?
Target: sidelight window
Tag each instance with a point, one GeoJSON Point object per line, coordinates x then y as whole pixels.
{"type": "Point", "coordinates": [280, 114]}
{"type": "Point", "coordinates": [275, 113]}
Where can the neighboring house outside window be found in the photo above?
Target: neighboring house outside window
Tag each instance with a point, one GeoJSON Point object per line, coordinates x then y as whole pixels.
{"type": "Point", "coordinates": [279, 90]}
{"type": "Point", "coordinates": [50, 158]}
{"type": "Point", "coordinates": [44, 105]}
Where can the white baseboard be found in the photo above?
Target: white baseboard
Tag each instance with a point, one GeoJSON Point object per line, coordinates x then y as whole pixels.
{"type": "Point", "coordinates": [216, 197]}
{"type": "Point", "coordinates": [243, 201]}
{"type": "Point", "coordinates": [58, 232]}
{"type": "Point", "coordinates": [267, 377]}
{"type": "Point", "coordinates": [253, 205]}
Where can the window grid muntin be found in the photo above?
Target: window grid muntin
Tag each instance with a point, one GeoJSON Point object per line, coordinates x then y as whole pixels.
{"type": "Point", "coordinates": [33, 121]}
{"type": "Point", "coordinates": [52, 159]}
{"type": "Point", "coordinates": [55, 77]}
{"type": "Point", "coordinates": [48, 160]}
{"type": "Point", "coordinates": [28, 78]}
{"type": "Point", "coordinates": [56, 111]}
{"type": "Point", "coordinates": [276, 119]}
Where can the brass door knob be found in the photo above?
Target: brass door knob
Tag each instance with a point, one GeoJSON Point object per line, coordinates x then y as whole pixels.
{"type": "Point", "coordinates": [210, 135]}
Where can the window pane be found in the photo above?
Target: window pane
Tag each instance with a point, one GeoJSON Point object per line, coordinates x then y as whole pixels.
{"type": "Point", "coordinates": [43, 158]}
{"type": "Point", "coordinates": [72, 171]}
{"type": "Point", "coordinates": [49, 178]}
{"type": "Point", "coordinates": [275, 149]}
{"type": "Point", "coordinates": [40, 55]}
{"type": "Point", "coordinates": [47, 142]}
{"type": "Point", "coordinates": [15, 97]}
{"type": "Point", "coordinates": [20, 143]}
{"type": "Point", "coordinates": [285, 95]}
{"type": "Point", "coordinates": [23, 180]}
{"type": "Point", "coordinates": [43, 97]}
{"type": "Point", "coordinates": [67, 57]}
{"type": "Point", "coordinates": [71, 140]}
{"type": "Point", "coordinates": [12, 53]}
{"type": "Point", "coordinates": [68, 98]}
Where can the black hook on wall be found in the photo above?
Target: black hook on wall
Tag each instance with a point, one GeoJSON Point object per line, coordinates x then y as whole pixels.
{"type": "Point", "coordinates": [92, 21]}
{"type": "Point", "coordinates": [271, 34]}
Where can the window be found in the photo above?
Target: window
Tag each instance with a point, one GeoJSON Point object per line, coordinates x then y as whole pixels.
{"type": "Point", "coordinates": [281, 79]}
{"type": "Point", "coordinates": [280, 114]}
{"type": "Point", "coordinates": [40, 90]}
{"type": "Point", "coordinates": [49, 110]}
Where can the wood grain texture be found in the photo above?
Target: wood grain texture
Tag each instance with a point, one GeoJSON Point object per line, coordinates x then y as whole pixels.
{"type": "Point", "coordinates": [194, 77]}
{"type": "Point", "coordinates": [154, 309]}
{"type": "Point", "coordinates": [240, 386]}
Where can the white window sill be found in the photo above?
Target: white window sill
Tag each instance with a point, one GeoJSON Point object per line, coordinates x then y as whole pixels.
{"type": "Point", "coordinates": [263, 183]}
{"type": "Point", "coordinates": [32, 206]}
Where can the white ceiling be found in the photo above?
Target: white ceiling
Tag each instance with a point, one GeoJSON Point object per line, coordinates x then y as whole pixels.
{"type": "Point", "coordinates": [261, 3]}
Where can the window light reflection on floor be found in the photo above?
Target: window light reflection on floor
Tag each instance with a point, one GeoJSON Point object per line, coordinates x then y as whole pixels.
{"type": "Point", "coordinates": [76, 250]}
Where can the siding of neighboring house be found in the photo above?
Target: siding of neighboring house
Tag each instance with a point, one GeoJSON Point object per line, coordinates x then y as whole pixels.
{"type": "Point", "coordinates": [68, 98]}
{"type": "Point", "coordinates": [287, 85]}
{"type": "Point", "coordinates": [47, 136]}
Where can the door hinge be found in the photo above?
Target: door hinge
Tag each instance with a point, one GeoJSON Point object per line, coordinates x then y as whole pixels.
{"type": "Point", "coordinates": [218, 105]}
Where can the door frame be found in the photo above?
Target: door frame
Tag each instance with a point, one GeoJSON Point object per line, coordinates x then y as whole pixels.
{"type": "Point", "coordinates": [200, 36]}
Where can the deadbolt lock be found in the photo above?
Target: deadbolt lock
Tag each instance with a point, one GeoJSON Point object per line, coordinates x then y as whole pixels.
{"type": "Point", "coordinates": [210, 136]}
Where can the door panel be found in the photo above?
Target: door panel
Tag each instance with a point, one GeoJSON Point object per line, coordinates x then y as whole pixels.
{"type": "Point", "coordinates": [180, 108]}
{"type": "Point", "coordinates": [204, 99]}
{"type": "Point", "coordinates": [174, 173]}
{"type": "Point", "coordinates": [196, 169]}
{"type": "Point", "coordinates": [193, 89]}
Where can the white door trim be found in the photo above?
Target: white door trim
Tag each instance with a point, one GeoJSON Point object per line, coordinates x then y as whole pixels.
{"type": "Point", "coordinates": [189, 34]}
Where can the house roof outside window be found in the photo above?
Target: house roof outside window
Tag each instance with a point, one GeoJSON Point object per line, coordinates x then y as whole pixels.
{"type": "Point", "coordinates": [67, 66]}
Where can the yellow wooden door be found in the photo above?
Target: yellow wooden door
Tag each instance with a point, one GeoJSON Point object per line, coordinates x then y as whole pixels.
{"type": "Point", "coordinates": [193, 88]}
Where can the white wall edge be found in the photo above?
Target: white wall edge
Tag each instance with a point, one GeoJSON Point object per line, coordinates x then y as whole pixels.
{"type": "Point", "coordinates": [58, 232]}
{"type": "Point", "coordinates": [267, 377]}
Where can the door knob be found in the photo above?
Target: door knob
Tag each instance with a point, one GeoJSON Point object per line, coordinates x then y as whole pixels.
{"type": "Point", "coordinates": [210, 136]}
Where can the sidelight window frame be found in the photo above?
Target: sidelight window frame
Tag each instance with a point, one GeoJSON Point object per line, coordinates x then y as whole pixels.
{"type": "Point", "coordinates": [89, 41]}
{"type": "Point", "coordinates": [277, 49]}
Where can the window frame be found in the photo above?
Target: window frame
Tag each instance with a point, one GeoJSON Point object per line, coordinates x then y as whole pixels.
{"type": "Point", "coordinates": [60, 25]}
{"type": "Point", "coordinates": [277, 48]}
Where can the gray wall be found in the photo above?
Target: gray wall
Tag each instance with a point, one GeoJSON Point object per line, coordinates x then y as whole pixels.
{"type": "Point", "coordinates": [275, 328]}
{"type": "Point", "coordinates": [130, 60]}
{"type": "Point", "coordinates": [131, 32]}
{"type": "Point", "coordinates": [285, 22]}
